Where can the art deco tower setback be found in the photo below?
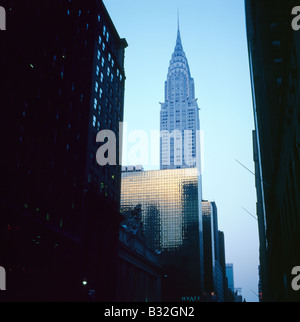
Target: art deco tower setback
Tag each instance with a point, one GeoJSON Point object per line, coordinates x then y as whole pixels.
{"type": "Point", "coordinates": [179, 116]}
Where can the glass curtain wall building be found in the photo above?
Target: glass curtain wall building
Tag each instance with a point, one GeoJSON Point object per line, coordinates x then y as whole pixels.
{"type": "Point", "coordinates": [172, 223]}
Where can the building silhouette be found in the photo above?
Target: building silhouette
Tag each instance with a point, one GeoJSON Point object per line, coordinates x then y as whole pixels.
{"type": "Point", "coordinates": [222, 262]}
{"type": "Point", "coordinates": [63, 65]}
{"type": "Point", "coordinates": [274, 57]}
{"type": "Point", "coordinates": [230, 276]}
{"type": "Point", "coordinates": [213, 254]}
{"type": "Point", "coordinates": [209, 247]}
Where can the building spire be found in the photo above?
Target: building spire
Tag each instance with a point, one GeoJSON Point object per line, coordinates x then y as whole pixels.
{"type": "Point", "coordinates": [178, 42]}
{"type": "Point", "coordinates": [178, 21]}
{"type": "Point", "coordinates": [178, 55]}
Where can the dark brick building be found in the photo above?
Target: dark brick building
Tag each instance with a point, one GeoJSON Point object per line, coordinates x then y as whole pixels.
{"type": "Point", "coordinates": [62, 72]}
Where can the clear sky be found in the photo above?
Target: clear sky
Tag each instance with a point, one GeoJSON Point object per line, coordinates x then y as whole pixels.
{"type": "Point", "coordinates": [214, 39]}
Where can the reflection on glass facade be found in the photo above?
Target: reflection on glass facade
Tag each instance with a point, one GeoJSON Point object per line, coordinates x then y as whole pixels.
{"type": "Point", "coordinates": [172, 219]}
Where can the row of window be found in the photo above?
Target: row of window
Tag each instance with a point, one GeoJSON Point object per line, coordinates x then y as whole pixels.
{"type": "Point", "coordinates": [105, 32]}
{"type": "Point", "coordinates": [108, 105]}
{"type": "Point", "coordinates": [107, 121]}
{"type": "Point", "coordinates": [106, 35]}
{"type": "Point", "coordinates": [109, 71]}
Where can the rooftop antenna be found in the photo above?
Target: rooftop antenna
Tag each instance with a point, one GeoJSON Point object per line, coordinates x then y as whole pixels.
{"type": "Point", "coordinates": [178, 22]}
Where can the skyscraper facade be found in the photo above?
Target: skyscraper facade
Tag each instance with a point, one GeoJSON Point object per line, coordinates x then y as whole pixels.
{"type": "Point", "coordinates": [179, 115]}
{"type": "Point", "coordinates": [64, 84]}
{"type": "Point", "coordinates": [172, 222]}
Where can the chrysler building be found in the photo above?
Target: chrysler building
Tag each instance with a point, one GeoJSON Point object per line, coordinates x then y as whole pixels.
{"type": "Point", "coordinates": [179, 115]}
